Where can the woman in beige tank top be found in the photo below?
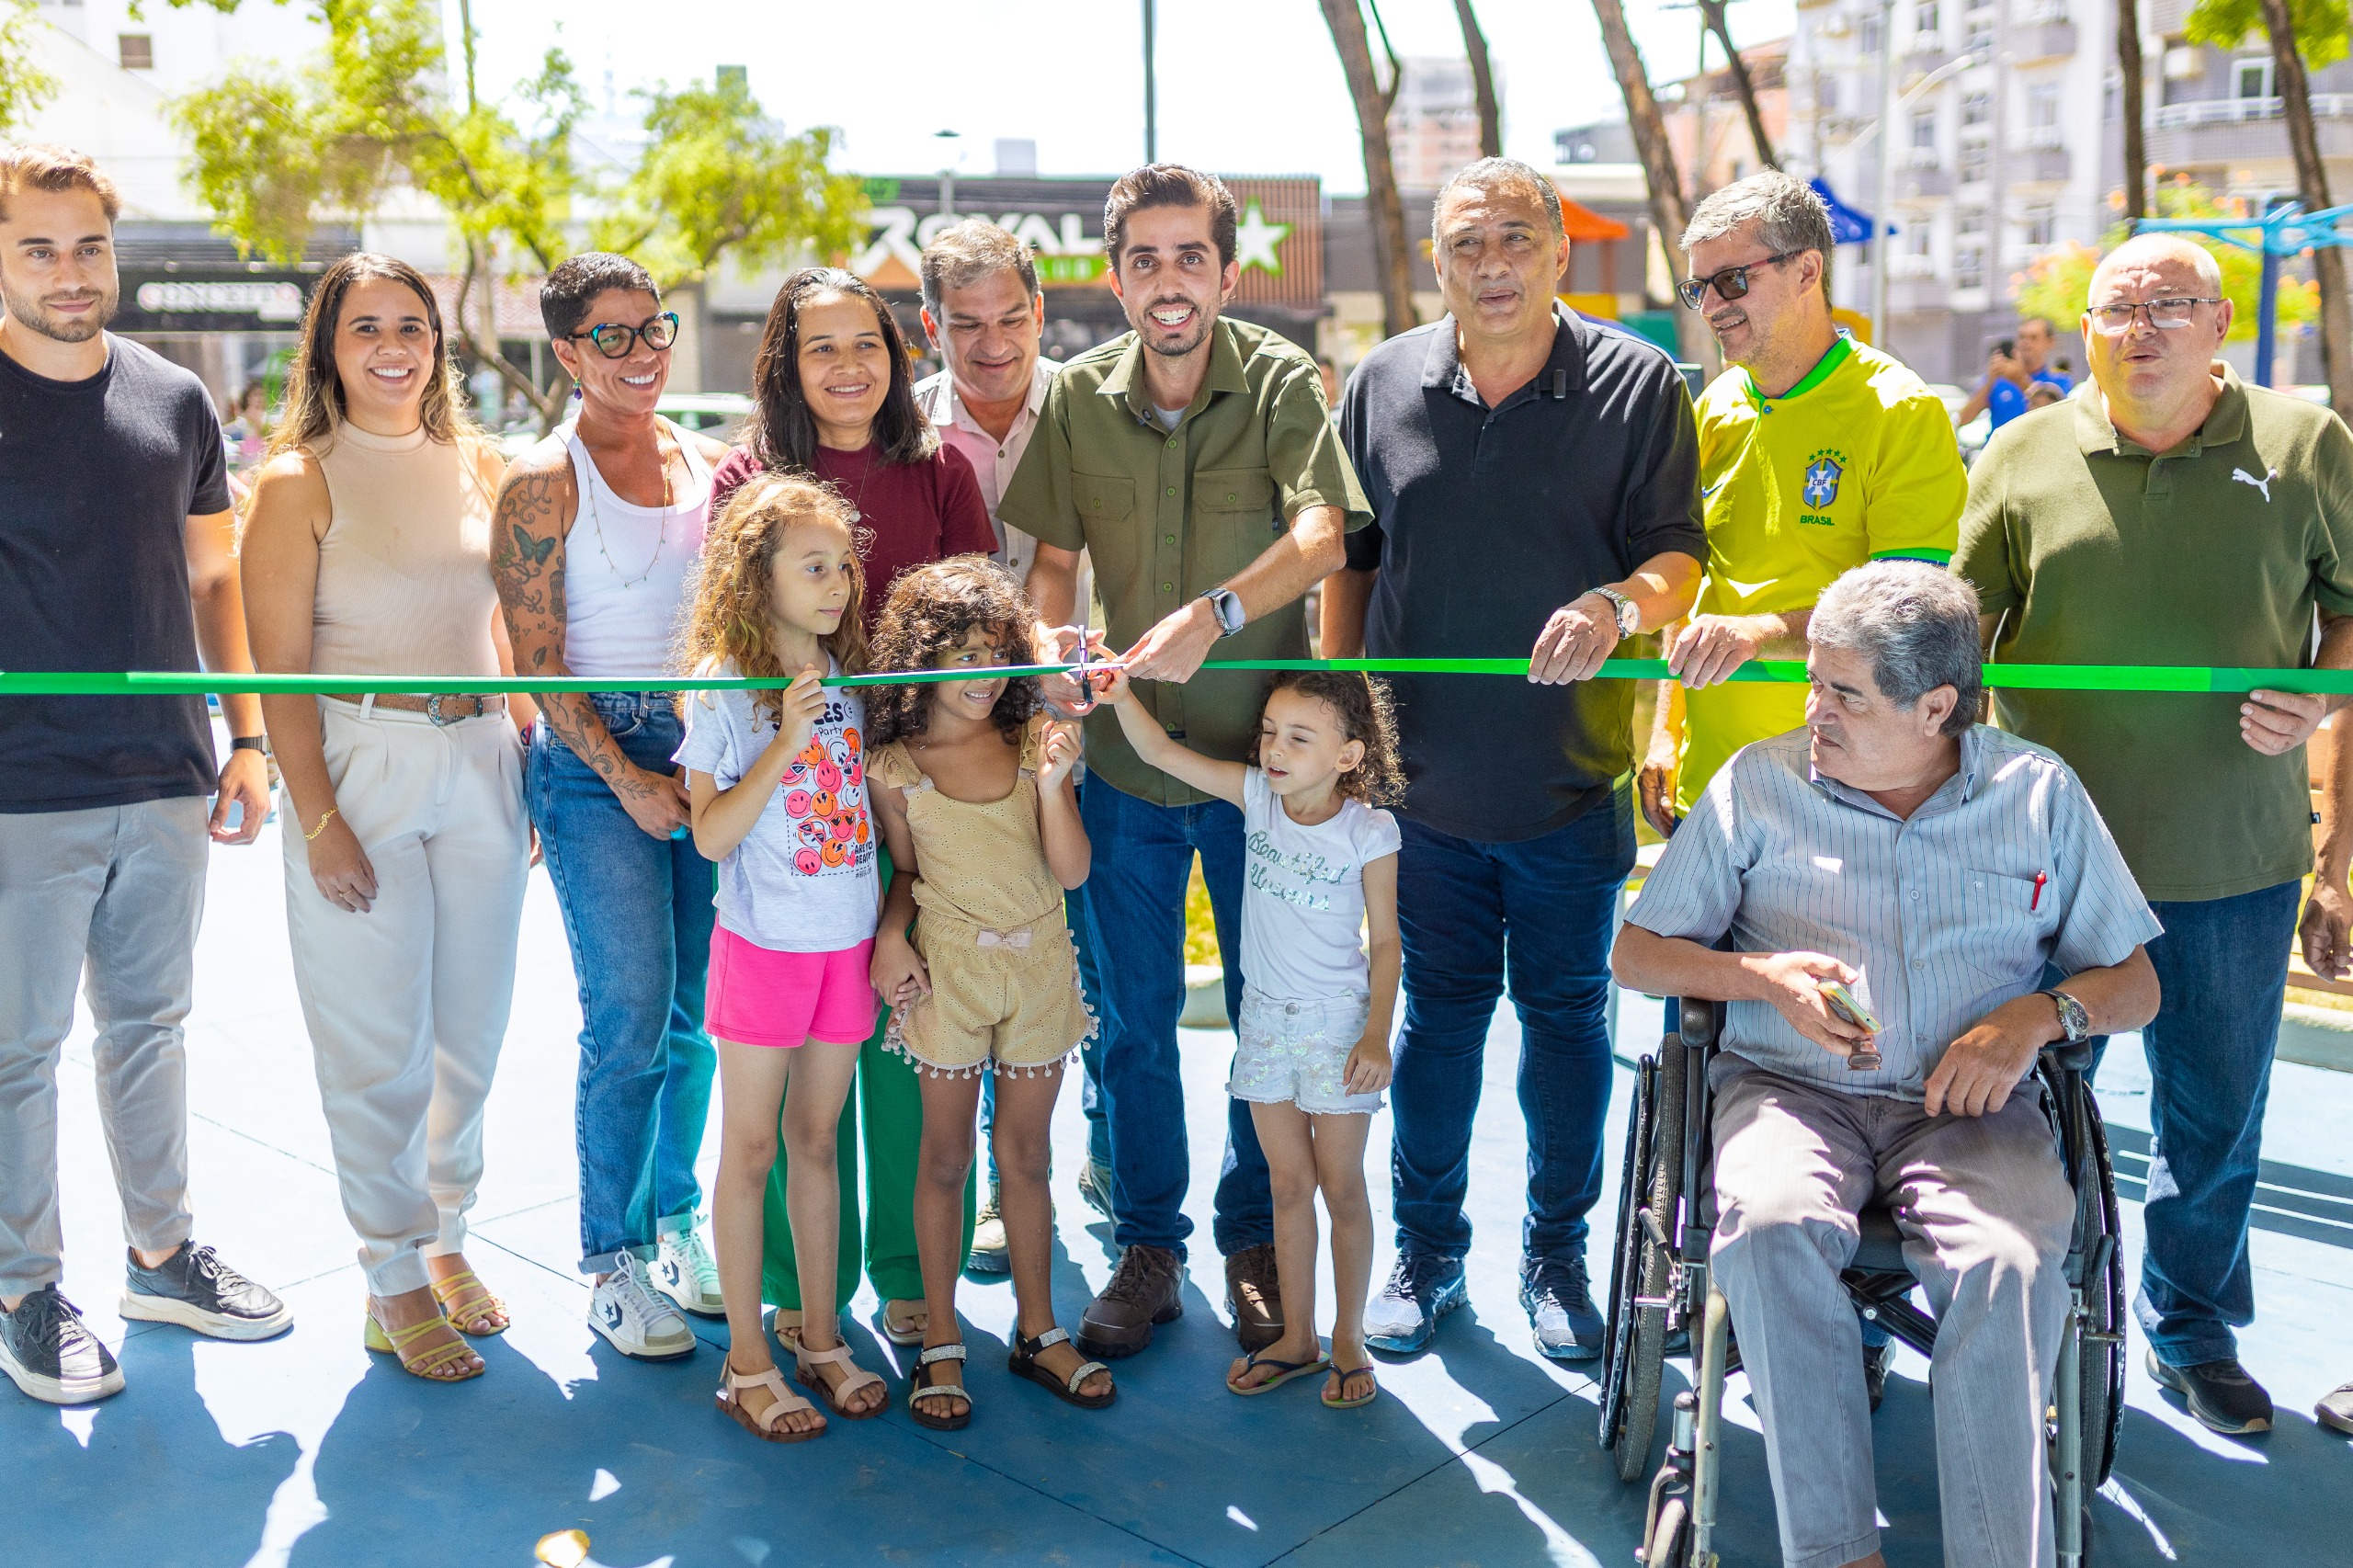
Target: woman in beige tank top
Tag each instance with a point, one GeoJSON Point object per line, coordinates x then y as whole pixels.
{"type": "Point", "coordinates": [367, 552]}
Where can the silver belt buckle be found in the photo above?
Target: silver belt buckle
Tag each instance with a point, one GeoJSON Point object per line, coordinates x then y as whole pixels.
{"type": "Point", "coordinates": [433, 711]}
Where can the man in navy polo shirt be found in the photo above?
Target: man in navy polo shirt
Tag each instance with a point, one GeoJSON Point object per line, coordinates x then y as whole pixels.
{"type": "Point", "coordinates": [1534, 481]}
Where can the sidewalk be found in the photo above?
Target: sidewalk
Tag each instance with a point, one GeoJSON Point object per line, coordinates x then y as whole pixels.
{"type": "Point", "coordinates": [308, 1450]}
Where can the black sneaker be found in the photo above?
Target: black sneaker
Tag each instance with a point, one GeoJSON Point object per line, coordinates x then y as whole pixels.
{"type": "Point", "coordinates": [195, 1289]}
{"type": "Point", "coordinates": [1877, 1361]}
{"type": "Point", "coordinates": [1560, 1309]}
{"type": "Point", "coordinates": [47, 1352]}
{"type": "Point", "coordinates": [2219, 1393]}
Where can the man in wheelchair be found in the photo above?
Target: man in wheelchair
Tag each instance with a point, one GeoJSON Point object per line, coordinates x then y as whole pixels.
{"type": "Point", "coordinates": [1932, 866]}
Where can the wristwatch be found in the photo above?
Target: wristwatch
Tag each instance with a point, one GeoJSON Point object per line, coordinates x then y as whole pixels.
{"type": "Point", "coordinates": [2071, 1016]}
{"type": "Point", "coordinates": [1629, 614]}
{"type": "Point", "coordinates": [1227, 607]}
{"type": "Point", "coordinates": [250, 743]}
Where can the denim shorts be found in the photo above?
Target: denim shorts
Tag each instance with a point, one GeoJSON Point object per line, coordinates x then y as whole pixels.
{"type": "Point", "coordinates": [1298, 1051]}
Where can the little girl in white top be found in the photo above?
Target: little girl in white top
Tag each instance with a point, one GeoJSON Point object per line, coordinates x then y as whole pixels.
{"type": "Point", "coordinates": [1316, 1008]}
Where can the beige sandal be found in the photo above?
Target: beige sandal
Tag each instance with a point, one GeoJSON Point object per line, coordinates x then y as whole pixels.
{"type": "Point", "coordinates": [764, 1426]}
{"type": "Point", "coordinates": [907, 1330]}
{"type": "Point", "coordinates": [428, 1365]}
{"type": "Point", "coordinates": [466, 1301]}
{"type": "Point", "coordinates": [804, 1364]}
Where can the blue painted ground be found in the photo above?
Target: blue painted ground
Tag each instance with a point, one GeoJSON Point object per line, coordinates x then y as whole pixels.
{"type": "Point", "coordinates": [308, 1450]}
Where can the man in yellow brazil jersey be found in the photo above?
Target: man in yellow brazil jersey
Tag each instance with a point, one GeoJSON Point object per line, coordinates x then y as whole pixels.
{"type": "Point", "coordinates": [1816, 454]}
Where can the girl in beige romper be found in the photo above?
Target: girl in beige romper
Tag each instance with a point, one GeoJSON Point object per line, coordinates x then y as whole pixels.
{"type": "Point", "coordinates": [971, 785]}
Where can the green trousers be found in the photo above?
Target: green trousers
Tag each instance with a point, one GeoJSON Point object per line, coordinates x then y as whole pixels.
{"type": "Point", "coordinates": [889, 1107]}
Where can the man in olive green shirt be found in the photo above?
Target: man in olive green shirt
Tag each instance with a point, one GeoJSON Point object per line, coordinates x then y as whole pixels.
{"type": "Point", "coordinates": [1194, 460]}
{"type": "Point", "coordinates": [2165, 513]}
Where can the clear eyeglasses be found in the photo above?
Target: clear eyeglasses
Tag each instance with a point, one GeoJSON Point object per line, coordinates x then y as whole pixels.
{"type": "Point", "coordinates": [2174, 310]}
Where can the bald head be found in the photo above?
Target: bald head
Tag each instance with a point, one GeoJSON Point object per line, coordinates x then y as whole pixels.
{"type": "Point", "coordinates": [2166, 253]}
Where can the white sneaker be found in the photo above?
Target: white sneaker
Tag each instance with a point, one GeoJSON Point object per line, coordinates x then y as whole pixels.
{"type": "Point", "coordinates": [685, 1272]}
{"type": "Point", "coordinates": [625, 1310]}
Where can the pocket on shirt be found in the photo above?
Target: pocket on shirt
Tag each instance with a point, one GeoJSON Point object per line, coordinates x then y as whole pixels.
{"type": "Point", "coordinates": [2010, 911]}
{"type": "Point", "coordinates": [1103, 498]}
{"type": "Point", "coordinates": [1235, 509]}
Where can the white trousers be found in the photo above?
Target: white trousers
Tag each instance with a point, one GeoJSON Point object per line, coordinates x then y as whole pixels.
{"type": "Point", "coordinates": [407, 1004]}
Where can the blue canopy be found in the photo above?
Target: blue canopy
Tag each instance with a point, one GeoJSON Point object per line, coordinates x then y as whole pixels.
{"type": "Point", "coordinates": [1848, 226]}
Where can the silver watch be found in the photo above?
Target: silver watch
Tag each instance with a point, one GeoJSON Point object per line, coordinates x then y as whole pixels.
{"type": "Point", "coordinates": [2073, 1017]}
{"type": "Point", "coordinates": [1226, 605]}
{"type": "Point", "coordinates": [1629, 614]}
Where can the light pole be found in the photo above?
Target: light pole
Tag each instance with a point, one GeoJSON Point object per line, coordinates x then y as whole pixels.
{"type": "Point", "coordinates": [1886, 195]}
{"type": "Point", "coordinates": [1151, 92]}
{"type": "Point", "coordinates": [955, 154]}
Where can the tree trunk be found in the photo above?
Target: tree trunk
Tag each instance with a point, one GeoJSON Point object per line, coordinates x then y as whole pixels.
{"type": "Point", "coordinates": [480, 339]}
{"type": "Point", "coordinates": [2133, 95]}
{"type": "Point", "coordinates": [1391, 257]}
{"type": "Point", "coordinates": [1483, 82]}
{"type": "Point", "coordinates": [1669, 215]}
{"type": "Point", "coordinates": [2311, 180]}
{"type": "Point", "coordinates": [1713, 11]}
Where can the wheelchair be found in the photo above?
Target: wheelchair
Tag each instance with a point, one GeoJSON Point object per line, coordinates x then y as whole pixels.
{"type": "Point", "coordinates": [1663, 1299]}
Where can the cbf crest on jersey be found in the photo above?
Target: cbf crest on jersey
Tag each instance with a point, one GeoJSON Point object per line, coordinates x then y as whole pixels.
{"type": "Point", "coordinates": [1824, 469]}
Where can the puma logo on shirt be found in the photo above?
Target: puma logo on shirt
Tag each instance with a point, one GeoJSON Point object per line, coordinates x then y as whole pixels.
{"type": "Point", "coordinates": [2263, 484]}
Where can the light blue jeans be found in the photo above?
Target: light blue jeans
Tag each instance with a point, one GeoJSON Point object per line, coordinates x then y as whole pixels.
{"type": "Point", "coordinates": [637, 911]}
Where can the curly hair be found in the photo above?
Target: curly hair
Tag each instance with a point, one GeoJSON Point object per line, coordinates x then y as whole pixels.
{"type": "Point", "coordinates": [728, 618]}
{"type": "Point", "coordinates": [929, 613]}
{"type": "Point", "coordinates": [1366, 714]}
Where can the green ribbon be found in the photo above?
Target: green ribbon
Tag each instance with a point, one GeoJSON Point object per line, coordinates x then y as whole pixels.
{"type": "Point", "coordinates": [2015, 677]}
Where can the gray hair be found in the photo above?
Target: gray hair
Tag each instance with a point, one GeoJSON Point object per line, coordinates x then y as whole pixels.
{"type": "Point", "coordinates": [1789, 213]}
{"type": "Point", "coordinates": [1509, 176]}
{"type": "Point", "coordinates": [1916, 624]}
{"type": "Point", "coordinates": [963, 254]}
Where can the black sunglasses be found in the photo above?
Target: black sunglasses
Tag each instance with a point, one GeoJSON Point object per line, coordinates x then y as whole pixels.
{"type": "Point", "coordinates": [1732, 283]}
{"type": "Point", "coordinates": [614, 340]}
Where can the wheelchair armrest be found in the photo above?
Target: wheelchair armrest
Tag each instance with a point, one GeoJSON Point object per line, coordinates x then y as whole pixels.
{"type": "Point", "coordinates": [1700, 1023]}
{"type": "Point", "coordinates": [2066, 1058]}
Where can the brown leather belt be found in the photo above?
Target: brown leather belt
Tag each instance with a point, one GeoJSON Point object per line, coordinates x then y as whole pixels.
{"type": "Point", "coordinates": [440, 708]}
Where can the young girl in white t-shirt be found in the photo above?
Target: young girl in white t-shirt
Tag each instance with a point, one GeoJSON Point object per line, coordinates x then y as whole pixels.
{"type": "Point", "coordinates": [777, 782]}
{"type": "Point", "coordinates": [1314, 1052]}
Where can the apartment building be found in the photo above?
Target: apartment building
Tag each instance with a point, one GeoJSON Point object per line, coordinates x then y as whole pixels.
{"type": "Point", "coordinates": [2214, 113]}
{"type": "Point", "coordinates": [2000, 149]}
{"type": "Point", "coordinates": [1434, 124]}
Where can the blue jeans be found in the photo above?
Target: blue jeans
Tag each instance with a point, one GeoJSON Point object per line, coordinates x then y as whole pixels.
{"type": "Point", "coordinates": [1090, 1055]}
{"type": "Point", "coordinates": [1136, 910]}
{"type": "Point", "coordinates": [637, 911]}
{"type": "Point", "coordinates": [2223, 966]}
{"type": "Point", "coordinates": [1538, 912]}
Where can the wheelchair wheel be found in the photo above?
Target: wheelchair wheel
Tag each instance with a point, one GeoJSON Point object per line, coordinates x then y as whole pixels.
{"type": "Point", "coordinates": [2103, 1359]}
{"type": "Point", "coordinates": [1638, 1344]}
{"type": "Point", "coordinates": [1625, 1260]}
{"type": "Point", "coordinates": [1670, 1542]}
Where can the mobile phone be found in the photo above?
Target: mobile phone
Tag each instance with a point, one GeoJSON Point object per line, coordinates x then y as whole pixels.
{"type": "Point", "coordinates": [1863, 1058]}
{"type": "Point", "coordinates": [2008, 348]}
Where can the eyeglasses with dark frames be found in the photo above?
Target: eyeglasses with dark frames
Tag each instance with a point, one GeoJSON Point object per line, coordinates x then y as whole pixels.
{"type": "Point", "coordinates": [1732, 283]}
{"type": "Point", "coordinates": [614, 341]}
{"type": "Point", "coordinates": [2172, 311]}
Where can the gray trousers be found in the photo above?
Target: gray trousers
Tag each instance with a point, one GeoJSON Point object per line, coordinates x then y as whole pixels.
{"type": "Point", "coordinates": [1986, 1210]}
{"type": "Point", "coordinates": [117, 891]}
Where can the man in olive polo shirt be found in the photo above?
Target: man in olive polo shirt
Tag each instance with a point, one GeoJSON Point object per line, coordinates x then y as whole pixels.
{"type": "Point", "coordinates": [1194, 460]}
{"type": "Point", "coordinates": [2167, 514]}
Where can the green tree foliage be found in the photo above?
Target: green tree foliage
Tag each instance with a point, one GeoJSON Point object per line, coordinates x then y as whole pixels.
{"type": "Point", "coordinates": [2225, 23]}
{"type": "Point", "coordinates": [24, 86]}
{"type": "Point", "coordinates": [717, 177]}
{"type": "Point", "coordinates": [2057, 285]}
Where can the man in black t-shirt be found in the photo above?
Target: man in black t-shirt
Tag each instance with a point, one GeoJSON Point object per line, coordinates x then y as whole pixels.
{"type": "Point", "coordinates": [116, 553]}
{"type": "Point", "coordinates": [1534, 479]}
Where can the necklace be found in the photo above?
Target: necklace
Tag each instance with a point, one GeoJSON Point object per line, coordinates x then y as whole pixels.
{"type": "Point", "coordinates": [662, 530]}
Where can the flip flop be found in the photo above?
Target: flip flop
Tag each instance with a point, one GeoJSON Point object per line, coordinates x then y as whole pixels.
{"type": "Point", "coordinates": [1284, 1372]}
{"type": "Point", "coordinates": [1344, 1374]}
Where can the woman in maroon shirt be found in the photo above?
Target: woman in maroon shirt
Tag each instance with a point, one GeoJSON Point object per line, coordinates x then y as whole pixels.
{"type": "Point", "coordinates": [836, 399]}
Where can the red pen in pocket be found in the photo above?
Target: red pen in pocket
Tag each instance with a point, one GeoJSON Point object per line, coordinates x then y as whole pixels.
{"type": "Point", "coordinates": [2039, 879]}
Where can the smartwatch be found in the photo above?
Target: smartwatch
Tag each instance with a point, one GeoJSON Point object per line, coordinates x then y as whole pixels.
{"type": "Point", "coordinates": [1629, 614]}
{"type": "Point", "coordinates": [2072, 1017]}
{"type": "Point", "coordinates": [1227, 607]}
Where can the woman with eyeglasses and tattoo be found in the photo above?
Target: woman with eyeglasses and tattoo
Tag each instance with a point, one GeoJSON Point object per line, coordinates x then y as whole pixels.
{"type": "Point", "coordinates": [834, 381]}
{"type": "Point", "coordinates": [367, 552]}
{"type": "Point", "coordinates": [600, 529]}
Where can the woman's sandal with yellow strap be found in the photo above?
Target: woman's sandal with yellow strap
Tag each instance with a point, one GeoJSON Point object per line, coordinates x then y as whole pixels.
{"type": "Point", "coordinates": [426, 1364]}
{"type": "Point", "coordinates": [466, 1301]}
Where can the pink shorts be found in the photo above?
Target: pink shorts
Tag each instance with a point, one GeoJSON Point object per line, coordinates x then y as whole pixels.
{"type": "Point", "coordinates": [756, 996]}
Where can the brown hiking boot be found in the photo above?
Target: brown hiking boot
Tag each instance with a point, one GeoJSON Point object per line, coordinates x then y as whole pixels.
{"type": "Point", "coordinates": [1145, 1289]}
{"type": "Point", "coordinates": [1254, 1298]}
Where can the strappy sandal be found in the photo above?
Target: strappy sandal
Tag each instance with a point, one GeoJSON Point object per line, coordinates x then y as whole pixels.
{"type": "Point", "coordinates": [1023, 1363]}
{"type": "Point", "coordinates": [764, 1426]}
{"type": "Point", "coordinates": [1284, 1372]}
{"type": "Point", "coordinates": [1372, 1389]}
{"type": "Point", "coordinates": [805, 1361]}
{"type": "Point", "coordinates": [466, 1301]}
{"type": "Point", "coordinates": [426, 1364]}
{"type": "Point", "coordinates": [906, 1330]}
{"type": "Point", "coordinates": [918, 1391]}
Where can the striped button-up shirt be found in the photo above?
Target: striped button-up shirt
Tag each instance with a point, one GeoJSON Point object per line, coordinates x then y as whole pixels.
{"type": "Point", "coordinates": [1947, 914]}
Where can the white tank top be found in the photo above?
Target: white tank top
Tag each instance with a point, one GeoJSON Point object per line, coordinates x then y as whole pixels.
{"type": "Point", "coordinates": [626, 569]}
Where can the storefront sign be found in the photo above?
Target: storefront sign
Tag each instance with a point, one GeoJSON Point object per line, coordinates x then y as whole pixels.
{"type": "Point", "coordinates": [178, 302]}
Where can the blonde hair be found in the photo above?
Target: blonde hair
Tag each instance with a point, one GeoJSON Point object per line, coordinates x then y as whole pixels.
{"type": "Point", "coordinates": [728, 619]}
{"type": "Point", "coordinates": [314, 402]}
